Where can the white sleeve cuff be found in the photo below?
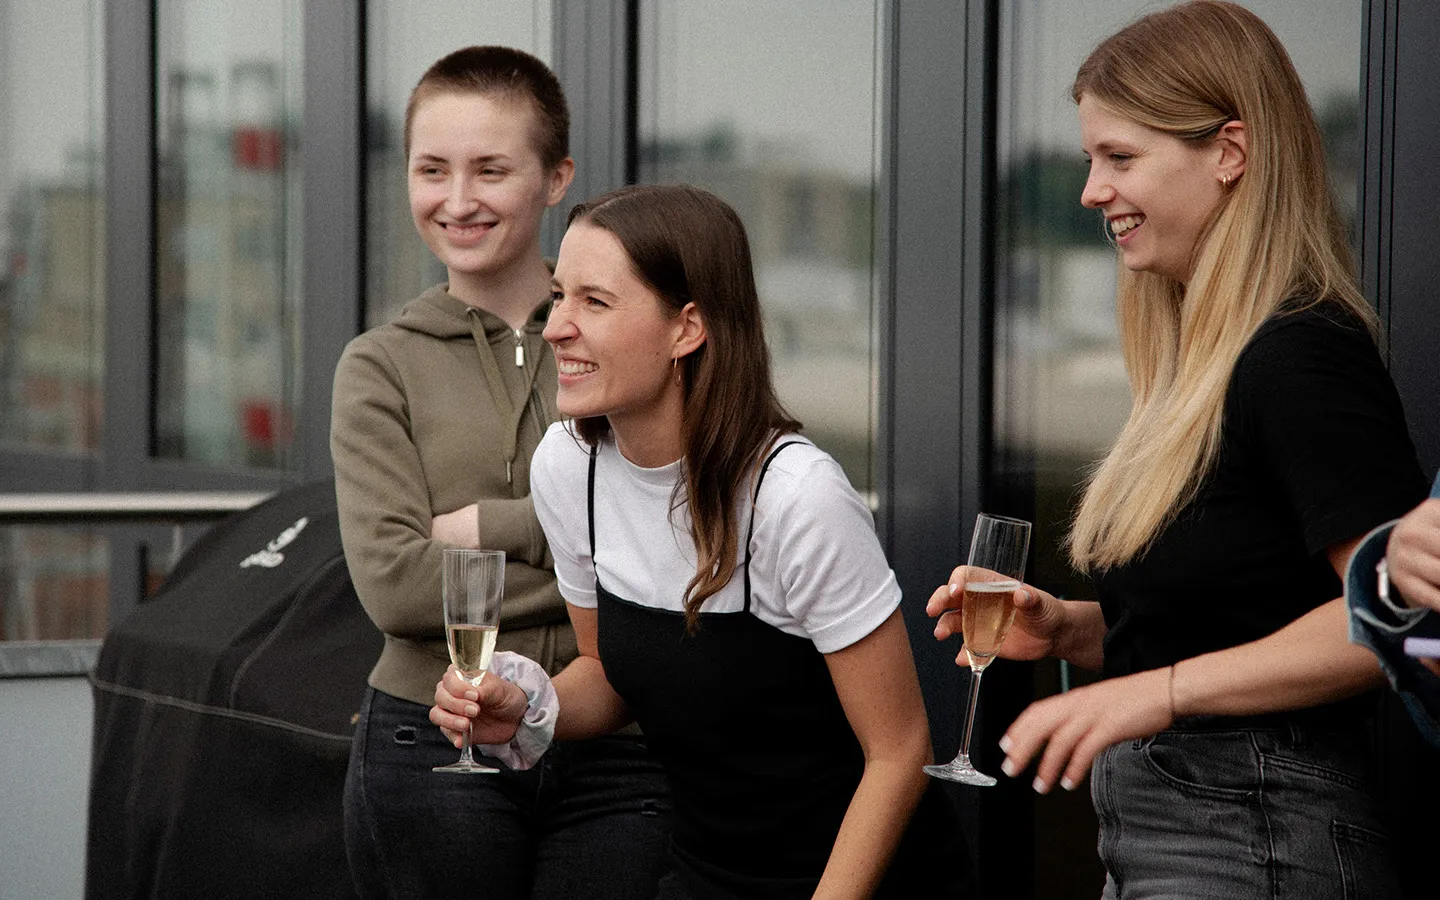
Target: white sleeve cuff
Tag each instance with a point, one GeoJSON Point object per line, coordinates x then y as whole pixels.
{"type": "Point", "coordinates": [537, 728]}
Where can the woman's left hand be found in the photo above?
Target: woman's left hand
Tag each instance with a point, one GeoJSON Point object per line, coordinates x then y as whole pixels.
{"type": "Point", "coordinates": [1072, 728]}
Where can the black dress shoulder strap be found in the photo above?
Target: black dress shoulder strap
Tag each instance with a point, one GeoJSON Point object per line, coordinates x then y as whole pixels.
{"type": "Point", "coordinates": [750, 529]}
{"type": "Point", "coordinates": [590, 499]}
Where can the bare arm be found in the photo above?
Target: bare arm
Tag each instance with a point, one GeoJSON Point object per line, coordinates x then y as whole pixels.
{"type": "Point", "coordinates": [875, 679]}
{"type": "Point", "coordinates": [589, 707]}
{"type": "Point", "coordinates": [1307, 663]}
{"type": "Point", "coordinates": [1072, 630]}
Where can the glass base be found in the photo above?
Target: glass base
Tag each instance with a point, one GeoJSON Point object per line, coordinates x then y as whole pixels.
{"type": "Point", "coordinates": [960, 770]}
{"type": "Point", "coordinates": [464, 768]}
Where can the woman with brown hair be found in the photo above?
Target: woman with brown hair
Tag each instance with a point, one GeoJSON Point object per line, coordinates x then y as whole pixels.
{"type": "Point", "coordinates": [1265, 439]}
{"type": "Point", "coordinates": [725, 581]}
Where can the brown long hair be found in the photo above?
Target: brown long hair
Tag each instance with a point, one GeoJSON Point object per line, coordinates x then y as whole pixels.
{"type": "Point", "coordinates": [502, 72]}
{"type": "Point", "coordinates": [1275, 236]}
{"type": "Point", "coordinates": [689, 246]}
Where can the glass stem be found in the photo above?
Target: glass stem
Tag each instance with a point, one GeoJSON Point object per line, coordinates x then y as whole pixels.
{"type": "Point", "coordinates": [970, 711]}
{"type": "Point", "coordinates": [465, 757]}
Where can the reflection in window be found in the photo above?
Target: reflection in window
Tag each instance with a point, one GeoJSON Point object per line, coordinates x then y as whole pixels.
{"type": "Point", "coordinates": [228, 88]}
{"type": "Point", "coordinates": [775, 108]}
{"type": "Point", "coordinates": [52, 305]}
{"type": "Point", "coordinates": [402, 40]}
{"type": "Point", "coordinates": [56, 584]}
{"type": "Point", "coordinates": [51, 226]}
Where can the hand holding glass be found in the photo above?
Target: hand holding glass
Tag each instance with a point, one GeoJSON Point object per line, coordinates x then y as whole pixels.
{"type": "Point", "coordinates": [996, 570]}
{"type": "Point", "coordinates": [472, 583]}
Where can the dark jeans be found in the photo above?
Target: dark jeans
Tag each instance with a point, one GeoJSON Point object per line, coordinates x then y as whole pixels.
{"type": "Point", "coordinates": [1242, 814]}
{"type": "Point", "coordinates": [592, 819]}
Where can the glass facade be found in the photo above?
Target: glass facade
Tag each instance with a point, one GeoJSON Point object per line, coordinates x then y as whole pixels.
{"type": "Point", "coordinates": [783, 122]}
{"type": "Point", "coordinates": [52, 232]}
{"type": "Point", "coordinates": [402, 40]}
{"type": "Point", "coordinates": [52, 298]}
{"type": "Point", "coordinates": [228, 252]}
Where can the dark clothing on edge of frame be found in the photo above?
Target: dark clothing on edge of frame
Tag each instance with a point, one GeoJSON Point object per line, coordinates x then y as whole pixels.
{"type": "Point", "coordinates": [591, 819]}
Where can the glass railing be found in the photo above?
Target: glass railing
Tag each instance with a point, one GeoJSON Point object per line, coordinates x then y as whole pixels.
{"type": "Point", "coordinates": [54, 568]}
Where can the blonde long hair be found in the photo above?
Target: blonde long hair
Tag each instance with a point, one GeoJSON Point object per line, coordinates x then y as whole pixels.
{"type": "Point", "coordinates": [1276, 235]}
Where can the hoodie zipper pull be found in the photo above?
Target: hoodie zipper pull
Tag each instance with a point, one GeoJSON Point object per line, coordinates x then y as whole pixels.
{"type": "Point", "coordinates": [519, 349]}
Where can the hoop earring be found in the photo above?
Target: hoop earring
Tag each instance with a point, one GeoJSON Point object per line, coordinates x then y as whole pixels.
{"type": "Point", "coordinates": [1225, 181]}
{"type": "Point", "coordinates": [675, 369]}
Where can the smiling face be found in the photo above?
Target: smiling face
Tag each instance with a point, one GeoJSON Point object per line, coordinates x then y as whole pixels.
{"type": "Point", "coordinates": [478, 187]}
{"type": "Point", "coordinates": [1157, 192]}
{"type": "Point", "coordinates": [614, 341]}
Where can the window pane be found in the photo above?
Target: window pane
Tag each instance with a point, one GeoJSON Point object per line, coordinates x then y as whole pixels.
{"type": "Point", "coordinates": [775, 108]}
{"type": "Point", "coordinates": [51, 225]}
{"type": "Point", "coordinates": [56, 584]}
{"type": "Point", "coordinates": [402, 40]}
{"type": "Point", "coordinates": [228, 94]}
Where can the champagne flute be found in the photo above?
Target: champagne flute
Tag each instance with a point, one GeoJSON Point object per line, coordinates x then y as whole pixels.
{"type": "Point", "coordinates": [471, 585]}
{"type": "Point", "coordinates": [996, 569]}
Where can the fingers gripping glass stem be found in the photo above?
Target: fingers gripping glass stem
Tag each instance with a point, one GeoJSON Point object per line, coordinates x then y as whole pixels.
{"type": "Point", "coordinates": [471, 586]}
{"type": "Point", "coordinates": [995, 571]}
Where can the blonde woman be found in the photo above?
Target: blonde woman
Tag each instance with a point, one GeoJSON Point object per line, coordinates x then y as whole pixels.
{"type": "Point", "coordinates": [1265, 439]}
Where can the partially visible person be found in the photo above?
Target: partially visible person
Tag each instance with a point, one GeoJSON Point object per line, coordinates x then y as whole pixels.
{"type": "Point", "coordinates": [725, 580]}
{"type": "Point", "coordinates": [436, 416]}
{"type": "Point", "coordinates": [1229, 738]}
{"type": "Point", "coordinates": [1393, 591]}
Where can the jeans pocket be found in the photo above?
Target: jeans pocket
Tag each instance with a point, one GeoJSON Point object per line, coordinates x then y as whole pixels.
{"type": "Point", "coordinates": [1366, 869]}
{"type": "Point", "coordinates": [1218, 765]}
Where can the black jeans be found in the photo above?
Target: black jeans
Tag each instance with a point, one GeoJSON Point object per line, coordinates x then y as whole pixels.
{"type": "Point", "coordinates": [592, 819]}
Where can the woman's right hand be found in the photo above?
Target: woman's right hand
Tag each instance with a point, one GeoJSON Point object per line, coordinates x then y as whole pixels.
{"type": "Point", "coordinates": [1039, 619]}
{"type": "Point", "coordinates": [494, 708]}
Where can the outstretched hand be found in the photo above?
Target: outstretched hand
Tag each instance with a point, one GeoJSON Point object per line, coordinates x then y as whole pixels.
{"type": "Point", "coordinates": [1039, 619]}
{"type": "Point", "coordinates": [1072, 728]}
{"type": "Point", "coordinates": [494, 708]}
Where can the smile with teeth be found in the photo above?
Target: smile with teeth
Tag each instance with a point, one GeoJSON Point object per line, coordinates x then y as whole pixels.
{"type": "Point", "coordinates": [465, 231]}
{"type": "Point", "coordinates": [1123, 225]}
{"type": "Point", "coordinates": [574, 367]}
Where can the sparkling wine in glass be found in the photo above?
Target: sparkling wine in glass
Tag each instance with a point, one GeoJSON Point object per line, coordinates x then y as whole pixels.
{"type": "Point", "coordinates": [472, 583]}
{"type": "Point", "coordinates": [996, 569]}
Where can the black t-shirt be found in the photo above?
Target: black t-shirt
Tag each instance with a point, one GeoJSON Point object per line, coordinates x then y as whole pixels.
{"type": "Point", "coordinates": [1314, 452]}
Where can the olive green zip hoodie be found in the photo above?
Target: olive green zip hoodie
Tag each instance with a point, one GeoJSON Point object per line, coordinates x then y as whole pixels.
{"type": "Point", "coordinates": [432, 413]}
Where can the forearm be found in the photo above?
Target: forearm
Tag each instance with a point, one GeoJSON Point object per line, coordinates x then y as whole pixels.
{"type": "Point", "coordinates": [1307, 663]}
{"type": "Point", "coordinates": [874, 823]}
{"type": "Point", "coordinates": [1082, 640]}
{"type": "Point", "coordinates": [876, 682]}
{"type": "Point", "coordinates": [589, 707]}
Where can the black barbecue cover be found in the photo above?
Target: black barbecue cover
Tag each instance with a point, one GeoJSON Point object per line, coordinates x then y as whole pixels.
{"type": "Point", "coordinates": [224, 710]}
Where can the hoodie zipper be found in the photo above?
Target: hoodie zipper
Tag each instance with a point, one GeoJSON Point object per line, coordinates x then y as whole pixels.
{"type": "Point", "coordinates": [519, 349]}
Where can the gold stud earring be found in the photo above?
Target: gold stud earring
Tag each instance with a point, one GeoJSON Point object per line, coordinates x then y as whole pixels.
{"type": "Point", "coordinates": [1225, 180]}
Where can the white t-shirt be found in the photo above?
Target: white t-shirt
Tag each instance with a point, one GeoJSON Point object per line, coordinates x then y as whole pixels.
{"type": "Point", "coordinates": [817, 569]}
